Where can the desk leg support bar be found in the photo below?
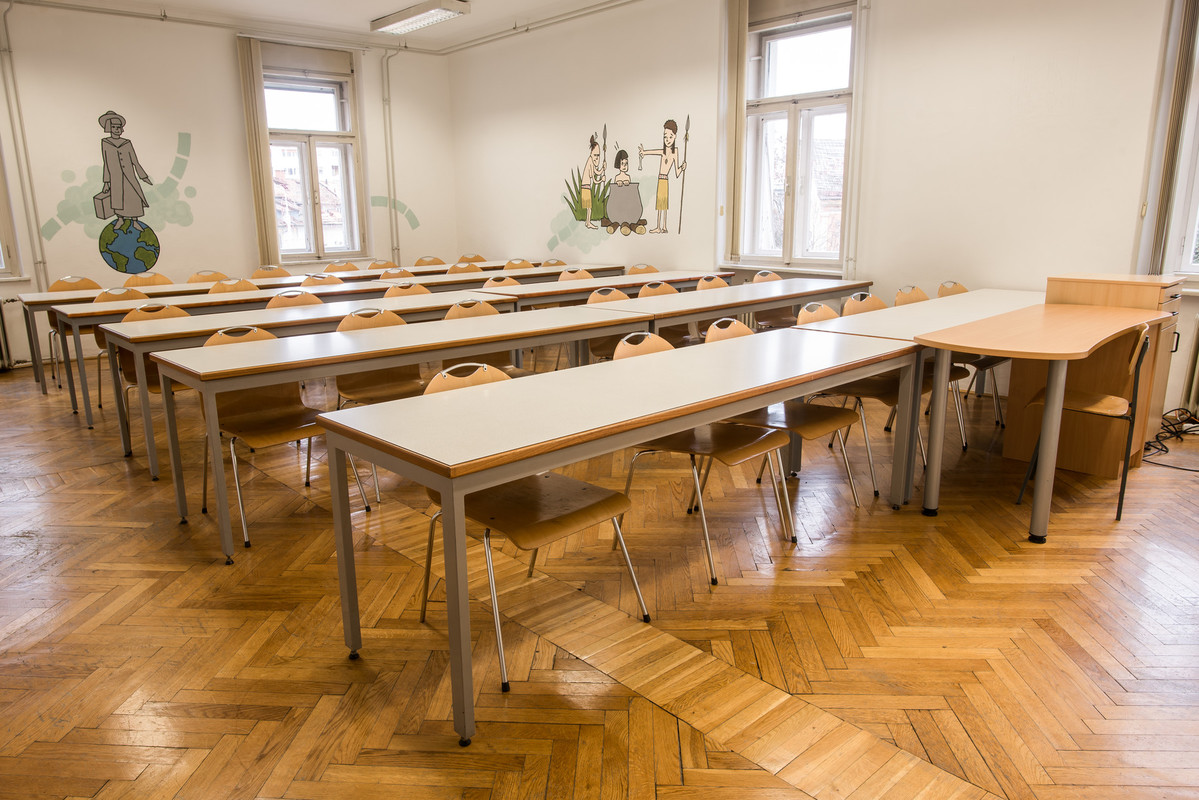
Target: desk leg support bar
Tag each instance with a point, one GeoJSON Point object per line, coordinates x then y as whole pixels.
{"type": "Point", "coordinates": [453, 536]}
{"type": "Point", "coordinates": [936, 433]}
{"type": "Point", "coordinates": [1051, 420]}
{"type": "Point", "coordinates": [343, 536]}
{"type": "Point", "coordinates": [168, 408]}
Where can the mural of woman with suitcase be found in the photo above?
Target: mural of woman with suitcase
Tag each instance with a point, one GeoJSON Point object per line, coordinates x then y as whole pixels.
{"type": "Point", "coordinates": [125, 200]}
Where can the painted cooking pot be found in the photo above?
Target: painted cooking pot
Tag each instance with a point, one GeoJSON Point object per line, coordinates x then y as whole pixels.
{"type": "Point", "coordinates": [624, 204]}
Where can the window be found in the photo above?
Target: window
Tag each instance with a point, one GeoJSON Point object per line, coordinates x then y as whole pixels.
{"type": "Point", "coordinates": [797, 84]}
{"type": "Point", "coordinates": [306, 109]}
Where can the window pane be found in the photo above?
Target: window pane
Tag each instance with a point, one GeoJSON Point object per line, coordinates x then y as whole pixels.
{"type": "Point", "coordinates": [292, 213]}
{"type": "Point", "coordinates": [812, 61]}
{"type": "Point", "coordinates": [826, 180]}
{"type": "Point", "coordinates": [1194, 266]}
{"type": "Point", "coordinates": [338, 223]}
{"type": "Point", "coordinates": [312, 107]}
{"type": "Point", "coordinates": [767, 185]}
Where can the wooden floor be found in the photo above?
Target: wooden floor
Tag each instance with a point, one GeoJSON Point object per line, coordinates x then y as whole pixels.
{"type": "Point", "coordinates": [887, 654]}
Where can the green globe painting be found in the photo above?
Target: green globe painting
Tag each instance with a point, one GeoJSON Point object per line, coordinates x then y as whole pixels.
{"type": "Point", "coordinates": [129, 247]}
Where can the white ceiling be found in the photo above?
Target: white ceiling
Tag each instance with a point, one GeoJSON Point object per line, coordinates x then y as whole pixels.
{"type": "Point", "coordinates": [353, 17]}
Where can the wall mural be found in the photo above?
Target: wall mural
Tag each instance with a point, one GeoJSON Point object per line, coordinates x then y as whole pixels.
{"type": "Point", "coordinates": [614, 205]}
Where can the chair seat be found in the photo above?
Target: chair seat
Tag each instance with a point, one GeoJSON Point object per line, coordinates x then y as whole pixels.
{"type": "Point", "coordinates": [980, 363]}
{"type": "Point", "coordinates": [1103, 405]}
{"type": "Point", "coordinates": [366, 388]}
{"type": "Point", "coordinates": [727, 442]}
{"type": "Point", "coordinates": [809, 420]}
{"type": "Point", "coordinates": [272, 425]}
{"type": "Point", "coordinates": [774, 318]}
{"type": "Point", "coordinates": [534, 511]}
{"type": "Point", "coordinates": [885, 388]}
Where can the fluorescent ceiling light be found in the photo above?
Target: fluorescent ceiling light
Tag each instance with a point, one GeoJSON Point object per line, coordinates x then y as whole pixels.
{"type": "Point", "coordinates": [420, 16]}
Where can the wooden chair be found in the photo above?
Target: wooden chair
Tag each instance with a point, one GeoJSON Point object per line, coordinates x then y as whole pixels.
{"type": "Point", "coordinates": [233, 285]}
{"type": "Point", "coordinates": [341, 266]}
{"type": "Point", "coordinates": [815, 312]}
{"type": "Point", "coordinates": [109, 296]}
{"type": "Point", "coordinates": [261, 417]}
{"type": "Point", "coordinates": [529, 512]}
{"type": "Point", "coordinates": [383, 265]}
{"type": "Point", "coordinates": [771, 317]}
{"type": "Point", "coordinates": [379, 385]}
{"type": "Point", "coordinates": [862, 302]}
{"type": "Point", "coordinates": [602, 348]}
{"type": "Point", "coordinates": [321, 280]}
{"type": "Point", "coordinates": [574, 274]}
{"type": "Point", "coordinates": [726, 442]}
{"type": "Point", "coordinates": [147, 279]}
{"type": "Point", "coordinates": [501, 360]}
{"type": "Point", "coordinates": [407, 290]}
{"type": "Point", "coordinates": [518, 263]}
{"type": "Point", "coordinates": [428, 261]}
{"type": "Point", "coordinates": [292, 298]}
{"type": "Point", "coordinates": [641, 269]}
{"type": "Point", "coordinates": [206, 276]}
{"type": "Point", "coordinates": [947, 288]}
{"type": "Point", "coordinates": [270, 272]}
{"type": "Point", "coordinates": [67, 283]}
{"type": "Point", "coordinates": [807, 420]}
{"type": "Point", "coordinates": [1113, 406]}
{"type": "Point", "coordinates": [553, 262]}
{"type": "Point", "coordinates": [706, 282]}
{"type": "Point", "coordinates": [910, 294]}
{"type": "Point", "coordinates": [983, 366]}
{"type": "Point", "coordinates": [677, 335]}
{"type": "Point", "coordinates": [127, 366]}
{"type": "Point", "coordinates": [463, 266]}
{"type": "Point", "coordinates": [472, 258]}
{"type": "Point", "coordinates": [395, 273]}
{"type": "Point", "coordinates": [500, 280]}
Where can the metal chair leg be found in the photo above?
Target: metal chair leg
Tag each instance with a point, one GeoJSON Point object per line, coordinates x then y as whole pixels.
{"type": "Point", "coordinates": [628, 481]}
{"type": "Point", "coordinates": [890, 419]}
{"type": "Point", "coordinates": [1124, 472]}
{"type": "Point", "coordinates": [787, 518]}
{"type": "Point", "coordinates": [100, 379]}
{"type": "Point", "coordinates": [358, 480]}
{"type": "Point", "coordinates": [629, 563]}
{"type": "Point", "coordinates": [308, 470]}
{"type": "Point", "coordinates": [995, 399]}
{"type": "Point", "coordinates": [532, 563]}
{"type": "Point", "coordinates": [762, 469]}
{"type": "Point", "coordinates": [495, 610]}
{"type": "Point", "coordinates": [241, 508]}
{"type": "Point", "coordinates": [1032, 469]}
{"type": "Point", "coordinates": [866, 437]}
{"type": "Point", "coordinates": [375, 475]}
{"type": "Point", "coordinates": [848, 472]}
{"type": "Point", "coordinates": [957, 404]}
{"type": "Point", "coordinates": [778, 498]}
{"type": "Point", "coordinates": [704, 521]}
{"type": "Point", "coordinates": [703, 484]}
{"type": "Point", "coordinates": [424, 593]}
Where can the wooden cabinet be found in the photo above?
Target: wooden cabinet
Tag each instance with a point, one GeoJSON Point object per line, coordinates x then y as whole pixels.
{"type": "Point", "coordinates": [1092, 444]}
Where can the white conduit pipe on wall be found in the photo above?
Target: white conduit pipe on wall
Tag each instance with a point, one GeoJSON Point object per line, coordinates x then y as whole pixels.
{"type": "Point", "coordinates": [393, 222]}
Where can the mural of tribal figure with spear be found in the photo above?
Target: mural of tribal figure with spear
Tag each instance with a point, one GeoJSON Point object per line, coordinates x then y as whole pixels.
{"type": "Point", "coordinates": [669, 153]}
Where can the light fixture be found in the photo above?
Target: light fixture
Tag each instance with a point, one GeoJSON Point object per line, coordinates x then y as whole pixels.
{"type": "Point", "coordinates": [420, 16]}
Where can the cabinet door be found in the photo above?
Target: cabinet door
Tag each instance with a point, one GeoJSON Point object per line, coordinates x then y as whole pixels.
{"type": "Point", "coordinates": [1161, 372]}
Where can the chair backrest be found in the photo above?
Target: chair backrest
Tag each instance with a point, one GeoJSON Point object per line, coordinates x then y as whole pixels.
{"type": "Point", "coordinates": [120, 293]}
{"type": "Point", "coordinates": [641, 269]}
{"type": "Point", "coordinates": [321, 280]}
{"type": "Point", "coordinates": [606, 295]}
{"type": "Point", "coordinates": [656, 288]}
{"type": "Point", "coordinates": [463, 266]}
{"type": "Point", "coordinates": [501, 280]}
{"type": "Point", "coordinates": [711, 282]}
{"type": "Point", "coordinates": [762, 276]}
{"type": "Point", "coordinates": [519, 263]}
{"type": "Point", "coordinates": [378, 264]}
{"type": "Point", "coordinates": [206, 275]}
{"type": "Point", "coordinates": [1139, 345]}
{"type": "Point", "coordinates": [639, 343]}
{"type": "Point", "coordinates": [294, 297]}
{"type": "Point", "coordinates": [428, 261]}
{"type": "Point", "coordinates": [466, 374]}
{"type": "Point", "coordinates": [407, 290]}
{"type": "Point", "coordinates": [950, 287]}
{"type": "Point", "coordinates": [148, 311]}
{"type": "Point", "coordinates": [147, 279]}
{"type": "Point", "coordinates": [910, 294]}
{"type": "Point", "coordinates": [574, 274]}
{"type": "Point", "coordinates": [71, 284]}
{"type": "Point", "coordinates": [240, 333]}
{"type": "Point", "coordinates": [233, 285]}
{"type": "Point", "coordinates": [727, 328]}
{"type": "Point", "coordinates": [341, 266]}
{"type": "Point", "coordinates": [471, 258]}
{"type": "Point", "coordinates": [363, 318]}
{"type": "Point", "coordinates": [862, 302]}
{"type": "Point", "coordinates": [470, 308]}
{"type": "Point", "coordinates": [395, 272]}
{"type": "Point", "coordinates": [270, 271]}
{"type": "Point", "coordinates": [815, 312]}
{"type": "Point", "coordinates": [553, 262]}
{"type": "Point", "coordinates": [264, 398]}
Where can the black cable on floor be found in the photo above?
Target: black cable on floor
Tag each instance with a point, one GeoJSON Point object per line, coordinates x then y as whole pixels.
{"type": "Point", "coordinates": [1175, 424]}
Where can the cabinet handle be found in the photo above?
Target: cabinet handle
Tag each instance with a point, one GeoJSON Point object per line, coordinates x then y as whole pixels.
{"type": "Point", "coordinates": [1177, 339]}
{"type": "Point", "coordinates": [1175, 296]}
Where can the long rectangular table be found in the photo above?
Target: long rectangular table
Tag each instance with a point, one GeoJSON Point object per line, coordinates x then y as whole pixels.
{"type": "Point", "coordinates": [577, 291]}
{"type": "Point", "coordinates": [212, 370]}
{"type": "Point", "coordinates": [142, 338]}
{"type": "Point", "coordinates": [1058, 334]}
{"type": "Point", "coordinates": [612, 405]}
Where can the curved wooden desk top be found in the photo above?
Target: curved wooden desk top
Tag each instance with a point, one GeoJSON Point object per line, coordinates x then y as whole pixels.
{"type": "Point", "coordinates": [1053, 332]}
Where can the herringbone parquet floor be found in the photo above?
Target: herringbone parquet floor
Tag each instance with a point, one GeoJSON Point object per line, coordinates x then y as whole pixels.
{"type": "Point", "coordinates": [885, 655]}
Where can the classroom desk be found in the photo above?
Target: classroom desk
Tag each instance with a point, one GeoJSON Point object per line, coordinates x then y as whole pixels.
{"type": "Point", "coordinates": [149, 336]}
{"type": "Point", "coordinates": [475, 280]}
{"type": "Point", "coordinates": [577, 291]}
{"type": "Point", "coordinates": [76, 317]}
{"type": "Point", "coordinates": [612, 405]}
{"type": "Point", "coordinates": [211, 370]}
{"type": "Point", "coordinates": [1055, 333]}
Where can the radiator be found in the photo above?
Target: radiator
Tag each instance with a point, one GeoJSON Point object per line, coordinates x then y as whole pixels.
{"type": "Point", "coordinates": [1191, 395]}
{"type": "Point", "coordinates": [6, 359]}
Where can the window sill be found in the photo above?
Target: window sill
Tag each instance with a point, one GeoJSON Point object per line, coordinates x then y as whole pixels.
{"type": "Point", "coordinates": [15, 279]}
{"type": "Point", "coordinates": [806, 271]}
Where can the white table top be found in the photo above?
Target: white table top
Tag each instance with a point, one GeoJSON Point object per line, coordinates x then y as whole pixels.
{"type": "Point", "coordinates": [551, 288]}
{"type": "Point", "coordinates": [732, 297]}
{"type": "Point", "coordinates": [451, 438]}
{"type": "Point", "coordinates": [543, 274]}
{"type": "Point", "coordinates": [277, 355]}
{"type": "Point", "coordinates": [186, 327]}
{"type": "Point", "coordinates": [907, 322]}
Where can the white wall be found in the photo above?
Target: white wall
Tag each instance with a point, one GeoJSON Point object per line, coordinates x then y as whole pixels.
{"type": "Point", "coordinates": [524, 109]}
